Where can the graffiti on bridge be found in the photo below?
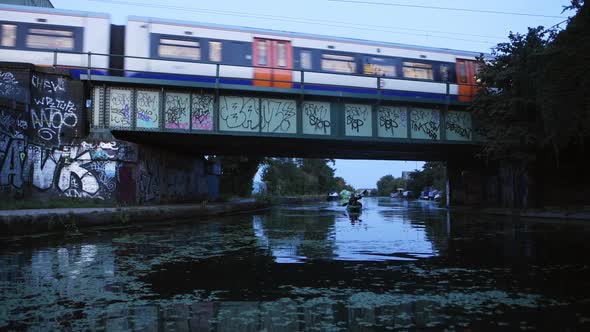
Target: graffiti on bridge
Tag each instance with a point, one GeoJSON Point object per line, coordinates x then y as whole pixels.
{"type": "Point", "coordinates": [316, 118]}
{"type": "Point", "coordinates": [392, 122]}
{"type": "Point", "coordinates": [358, 120]}
{"type": "Point", "coordinates": [278, 116]}
{"type": "Point", "coordinates": [176, 110]}
{"type": "Point", "coordinates": [425, 123]}
{"type": "Point", "coordinates": [202, 112]}
{"type": "Point", "coordinates": [120, 108]}
{"type": "Point", "coordinates": [239, 114]}
{"type": "Point", "coordinates": [458, 126]}
{"type": "Point", "coordinates": [147, 104]}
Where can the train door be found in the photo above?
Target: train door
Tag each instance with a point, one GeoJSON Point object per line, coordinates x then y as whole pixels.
{"type": "Point", "coordinates": [466, 70]}
{"type": "Point", "coordinates": [273, 61]}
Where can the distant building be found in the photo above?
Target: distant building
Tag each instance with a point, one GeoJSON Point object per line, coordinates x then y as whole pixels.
{"type": "Point", "coordinates": [32, 3]}
{"type": "Point", "coordinates": [369, 190]}
{"type": "Point", "coordinates": [406, 175]}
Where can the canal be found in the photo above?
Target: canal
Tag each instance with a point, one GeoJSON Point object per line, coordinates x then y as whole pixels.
{"type": "Point", "coordinates": [398, 265]}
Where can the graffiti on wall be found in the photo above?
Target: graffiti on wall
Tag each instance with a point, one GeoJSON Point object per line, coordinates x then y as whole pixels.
{"type": "Point", "coordinates": [239, 114]}
{"type": "Point", "coordinates": [14, 123]}
{"type": "Point", "coordinates": [149, 180]}
{"type": "Point", "coordinates": [316, 118]}
{"type": "Point", "coordinates": [358, 120]}
{"type": "Point", "coordinates": [55, 110]}
{"type": "Point", "coordinates": [177, 110]}
{"type": "Point", "coordinates": [147, 105]}
{"type": "Point", "coordinates": [87, 170]}
{"type": "Point", "coordinates": [120, 108]}
{"type": "Point", "coordinates": [202, 112]}
{"type": "Point", "coordinates": [49, 117]}
{"type": "Point", "coordinates": [10, 87]}
{"type": "Point", "coordinates": [425, 123]}
{"type": "Point", "coordinates": [278, 116]}
{"type": "Point", "coordinates": [458, 126]}
{"type": "Point", "coordinates": [392, 122]}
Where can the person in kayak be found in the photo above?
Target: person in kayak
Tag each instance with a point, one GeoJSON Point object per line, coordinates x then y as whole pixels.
{"type": "Point", "coordinates": [354, 200]}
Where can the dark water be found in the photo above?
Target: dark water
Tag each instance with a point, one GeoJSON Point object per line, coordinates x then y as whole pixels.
{"type": "Point", "coordinates": [396, 266]}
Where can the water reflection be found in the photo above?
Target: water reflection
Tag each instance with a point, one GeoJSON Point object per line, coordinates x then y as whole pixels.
{"type": "Point", "coordinates": [396, 265]}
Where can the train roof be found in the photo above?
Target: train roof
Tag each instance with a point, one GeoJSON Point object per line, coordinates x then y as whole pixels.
{"type": "Point", "coordinates": [46, 10]}
{"type": "Point", "coordinates": [303, 35]}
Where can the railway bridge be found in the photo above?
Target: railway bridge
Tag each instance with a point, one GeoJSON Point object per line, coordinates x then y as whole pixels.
{"type": "Point", "coordinates": [224, 118]}
{"type": "Point", "coordinates": [135, 140]}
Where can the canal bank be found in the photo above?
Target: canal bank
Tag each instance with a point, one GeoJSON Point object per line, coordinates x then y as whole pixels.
{"type": "Point", "coordinates": [580, 213]}
{"type": "Point", "coordinates": [32, 221]}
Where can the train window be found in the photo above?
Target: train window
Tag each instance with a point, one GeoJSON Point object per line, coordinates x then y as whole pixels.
{"type": "Point", "coordinates": [50, 39]}
{"type": "Point", "coordinates": [418, 70]}
{"type": "Point", "coordinates": [444, 73]}
{"type": "Point", "coordinates": [8, 35]}
{"type": "Point", "coordinates": [379, 67]}
{"type": "Point", "coordinates": [215, 51]}
{"type": "Point", "coordinates": [262, 53]}
{"type": "Point", "coordinates": [462, 72]}
{"type": "Point", "coordinates": [338, 63]}
{"type": "Point", "coordinates": [180, 49]}
{"type": "Point", "coordinates": [305, 59]}
{"type": "Point", "coordinates": [281, 54]}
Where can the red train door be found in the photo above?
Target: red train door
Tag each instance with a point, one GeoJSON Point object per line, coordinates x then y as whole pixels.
{"type": "Point", "coordinates": [269, 57]}
{"type": "Point", "coordinates": [466, 70]}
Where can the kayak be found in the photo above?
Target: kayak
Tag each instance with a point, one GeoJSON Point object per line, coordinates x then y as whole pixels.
{"type": "Point", "coordinates": [354, 208]}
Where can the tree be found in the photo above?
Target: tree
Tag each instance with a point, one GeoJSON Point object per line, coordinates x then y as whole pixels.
{"type": "Point", "coordinates": [533, 93]}
{"type": "Point", "coordinates": [433, 174]}
{"type": "Point", "coordinates": [286, 176]}
{"type": "Point", "coordinates": [388, 184]}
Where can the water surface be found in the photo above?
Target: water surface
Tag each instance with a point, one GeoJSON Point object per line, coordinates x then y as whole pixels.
{"type": "Point", "coordinates": [398, 265]}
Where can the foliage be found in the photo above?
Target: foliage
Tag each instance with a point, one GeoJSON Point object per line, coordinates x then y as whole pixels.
{"type": "Point", "coordinates": [433, 174]}
{"type": "Point", "coordinates": [286, 176]}
{"type": "Point", "coordinates": [533, 92]}
{"type": "Point", "coordinates": [388, 184]}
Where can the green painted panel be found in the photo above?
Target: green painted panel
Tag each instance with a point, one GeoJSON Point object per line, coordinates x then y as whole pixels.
{"type": "Point", "coordinates": [425, 123]}
{"type": "Point", "coordinates": [458, 126]}
{"type": "Point", "coordinates": [357, 120]}
{"type": "Point", "coordinates": [392, 122]}
{"type": "Point", "coordinates": [177, 110]}
{"type": "Point", "coordinates": [147, 104]}
{"type": "Point", "coordinates": [202, 111]}
{"type": "Point", "coordinates": [120, 108]}
{"type": "Point", "coordinates": [279, 116]}
{"type": "Point", "coordinates": [239, 114]}
{"type": "Point", "coordinates": [316, 118]}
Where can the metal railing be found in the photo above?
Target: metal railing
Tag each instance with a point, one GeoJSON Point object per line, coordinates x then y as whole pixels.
{"type": "Point", "coordinates": [378, 88]}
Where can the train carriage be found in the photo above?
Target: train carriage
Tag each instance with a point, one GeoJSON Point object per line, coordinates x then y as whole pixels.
{"type": "Point", "coordinates": [193, 51]}
{"type": "Point", "coordinates": [34, 34]}
{"type": "Point", "coordinates": [170, 49]}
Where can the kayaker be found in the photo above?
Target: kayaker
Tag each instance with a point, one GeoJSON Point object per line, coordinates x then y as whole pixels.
{"type": "Point", "coordinates": [354, 200]}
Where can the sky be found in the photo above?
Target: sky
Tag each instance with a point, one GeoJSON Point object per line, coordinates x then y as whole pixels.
{"type": "Point", "coordinates": [459, 24]}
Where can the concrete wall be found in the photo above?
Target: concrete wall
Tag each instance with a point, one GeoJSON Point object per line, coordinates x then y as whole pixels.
{"type": "Point", "coordinates": [538, 184]}
{"type": "Point", "coordinates": [46, 150]}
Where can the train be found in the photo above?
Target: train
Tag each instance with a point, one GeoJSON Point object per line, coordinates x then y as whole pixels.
{"type": "Point", "coordinates": [86, 42]}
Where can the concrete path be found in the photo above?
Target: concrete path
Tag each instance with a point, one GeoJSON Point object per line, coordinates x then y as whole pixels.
{"type": "Point", "coordinates": [31, 221]}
